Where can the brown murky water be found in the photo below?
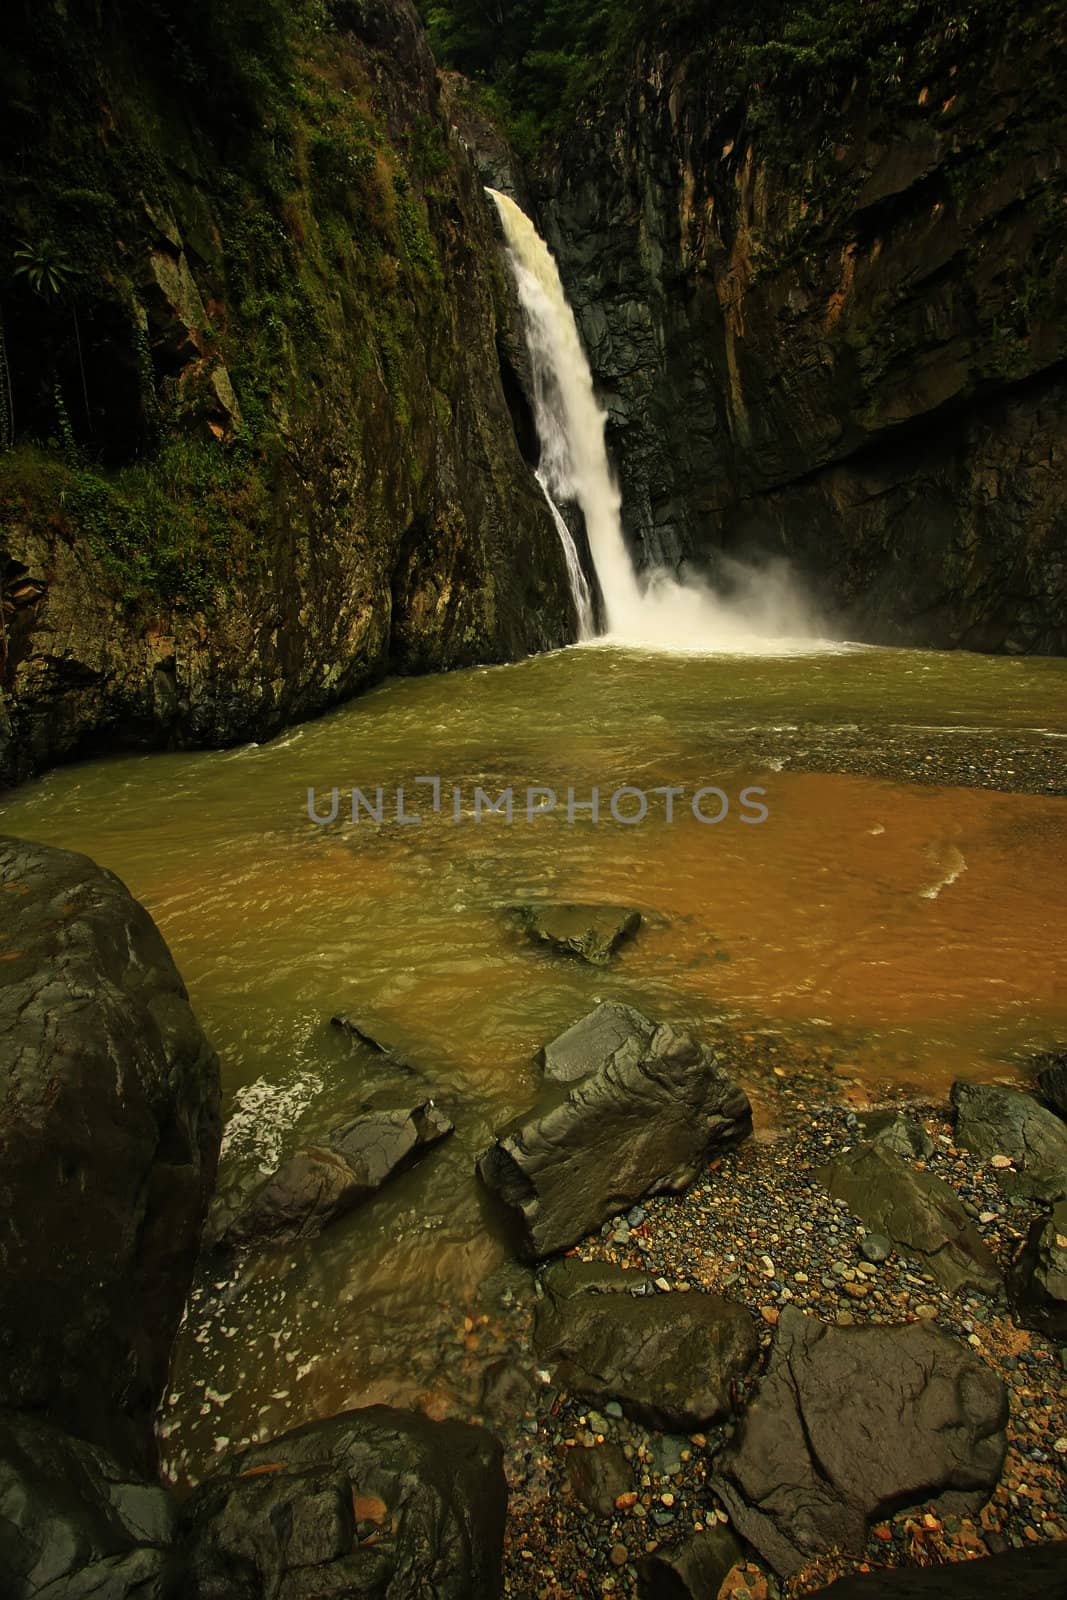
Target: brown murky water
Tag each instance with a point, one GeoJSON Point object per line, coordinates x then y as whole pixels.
{"type": "Point", "coordinates": [879, 931]}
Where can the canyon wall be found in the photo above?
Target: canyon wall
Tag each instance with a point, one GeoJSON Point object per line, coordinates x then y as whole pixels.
{"type": "Point", "coordinates": [829, 323]}
{"type": "Point", "coordinates": [258, 450]}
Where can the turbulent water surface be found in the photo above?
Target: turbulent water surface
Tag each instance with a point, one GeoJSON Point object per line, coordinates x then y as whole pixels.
{"type": "Point", "coordinates": [883, 931]}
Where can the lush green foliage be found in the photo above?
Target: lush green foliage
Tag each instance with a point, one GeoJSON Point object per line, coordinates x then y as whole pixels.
{"type": "Point", "coordinates": [255, 126]}
{"type": "Point", "coordinates": [536, 58]}
{"type": "Point", "coordinates": [539, 58]}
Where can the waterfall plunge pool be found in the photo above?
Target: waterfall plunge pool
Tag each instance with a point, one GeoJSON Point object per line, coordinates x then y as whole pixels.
{"type": "Point", "coordinates": [876, 934]}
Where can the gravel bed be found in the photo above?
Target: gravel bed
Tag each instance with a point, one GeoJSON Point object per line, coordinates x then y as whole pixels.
{"type": "Point", "coordinates": [760, 1229]}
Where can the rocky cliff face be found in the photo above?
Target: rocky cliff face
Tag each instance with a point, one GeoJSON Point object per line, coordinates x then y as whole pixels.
{"type": "Point", "coordinates": [262, 452]}
{"type": "Point", "coordinates": [835, 329]}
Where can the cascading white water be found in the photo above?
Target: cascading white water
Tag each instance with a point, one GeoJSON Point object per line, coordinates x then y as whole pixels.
{"type": "Point", "coordinates": [583, 600]}
{"type": "Point", "coordinates": [765, 614]}
{"type": "Point", "coordinates": [570, 423]}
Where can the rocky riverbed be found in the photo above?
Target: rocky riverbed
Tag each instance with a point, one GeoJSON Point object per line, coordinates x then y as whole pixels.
{"type": "Point", "coordinates": [716, 1364]}
{"type": "Point", "coordinates": [761, 1229]}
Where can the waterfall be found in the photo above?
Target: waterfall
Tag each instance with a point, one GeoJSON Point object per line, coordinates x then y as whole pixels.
{"type": "Point", "coordinates": [570, 424]}
{"type": "Point", "coordinates": [764, 613]}
{"type": "Point", "coordinates": [583, 600]}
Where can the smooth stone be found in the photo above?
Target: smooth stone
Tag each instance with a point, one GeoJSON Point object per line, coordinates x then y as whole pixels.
{"type": "Point", "coordinates": [1052, 1083]}
{"type": "Point", "coordinates": [692, 1570]}
{"type": "Point", "coordinates": [109, 1140]}
{"type": "Point", "coordinates": [1037, 1284]}
{"type": "Point", "coordinates": [507, 1390]}
{"type": "Point", "coordinates": [853, 1424]}
{"type": "Point", "coordinates": [316, 1186]}
{"type": "Point", "coordinates": [903, 1135]}
{"type": "Point", "coordinates": [920, 1214]}
{"type": "Point", "coordinates": [73, 1523]}
{"type": "Point", "coordinates": [278, 1518]}
{"type": "Point", "coordinates": [645, 1125]}
{"type": "Point", "coordinates": [589, 1044]}
{"type": "Point", "coordinates": [995, 1121]}
{"type": "Point", "coordinates": [599, 1475]}
{"type": "Point", "coordinates": [671, 1361]}
{"type": "Point", "coordinates": [876, 1248]}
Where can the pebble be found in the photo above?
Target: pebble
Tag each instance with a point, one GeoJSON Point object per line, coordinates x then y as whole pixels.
{"type": "Point", "coordinates": [875, 1248]}
{"type": "Point", "coordinates": [619, 1555]}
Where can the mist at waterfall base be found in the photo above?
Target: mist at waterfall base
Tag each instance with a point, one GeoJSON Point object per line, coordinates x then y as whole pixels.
{"type": "Point", "coordinates": [756, 608]}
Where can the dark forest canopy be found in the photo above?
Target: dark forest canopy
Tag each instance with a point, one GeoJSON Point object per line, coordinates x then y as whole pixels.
{"type": "Point", "coordinates": [537, 59]}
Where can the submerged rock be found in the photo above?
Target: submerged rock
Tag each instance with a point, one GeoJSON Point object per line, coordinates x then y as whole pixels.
{"type": "Point", "coordinates": [74, 1524]}
{"type": "Point", "coordinates": [1038, 1281]}
{"type": "Point", "coordinates": [692, 1570]}
{"type": "Point", "coordinates": [918, 1212]}
{"type": "Point", "coordinates": [641, 1125]}
{"type": "Point", "coordinates": [852, 1424]}
{"type": "Point", "coordinates": [672, 1361]}
{"type": "Point", "coordinates": [109, 1137]}
{"type": "Point", "coordinates": [316, 1186]}
{"type": "Point", "coordinates": [370, 1503]}
{"type": "Point", "coordinates": [995, 1121]}
{"type": "Point", "coordinates": [592, 932]}
{"type": "Point", "coordinates": [595, 1040]}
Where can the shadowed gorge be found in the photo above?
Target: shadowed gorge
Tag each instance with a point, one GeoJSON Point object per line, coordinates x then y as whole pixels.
{"type": "Point", "coordinates": [533, 800]}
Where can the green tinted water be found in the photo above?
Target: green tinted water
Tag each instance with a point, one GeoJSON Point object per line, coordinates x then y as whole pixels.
{"type": "Point", "coordinates": [891, 932]}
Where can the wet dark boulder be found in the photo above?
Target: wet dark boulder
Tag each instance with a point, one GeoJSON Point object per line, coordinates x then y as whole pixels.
{"type": "Point", "coordinates": [1052, 1083]}
{"type": "Point", "coordinates": [672, 1361]}
{"type": "Point", "coordinates": [598, 1476]}
{"type": "Point", "coordinates": [853, 1424]}
{"type": "Point", "coordinates": [1037, 1284]}
{"type": "Point", "coordinates": [74, 1524]}
{"type": "Point", "coordinates": [609, 1031]}
{"type": "Point", "coordinates": [593, 933]}
{"type": "Point", "coordinates": [109, 1136]}
{"type": "Point", "coordinates": [318, 1185]}
{"type": "Point", "coordinates": [692, 1570]}
{"type": "Point", "coordinates": [643, 1124]}
{"type": "Point", "coordinates": [992, 1120]}
{"type": "Point", "coordinates": [1038, 1572]}
{"type": "Point", "coordinates": [372, 1503]}
{"type": "Point", "coordinates": [919, 1213]}
{"type": "Point", "coordinates": [905, 1136]}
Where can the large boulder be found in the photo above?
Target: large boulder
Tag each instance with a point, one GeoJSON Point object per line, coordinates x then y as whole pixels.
{"type": "Point", "coordinates": [1037, 1572]}
{"type": "Point", "coordinates": [1038, 1281]}
{"type": "Point", "coordinates": [646, 1123]}
{"type": "Point", "coordinates": [1052, 1082]}
{"type": "Point", "coordinates": [109, 1136]}
{"type": "Point", "coordinates": [593, 1041]}
{"type": "Point", "coordinates": [918, 1212]}
{"type": "Point", "coordinates": [377, 1503]}
{"type": "Point", "coordinates": [73, 1524]}
{"type": "Point", "coordinates": [995, 1121]}
{"type": "Point", "coordinates": [593, 933]}
{"type": "Point", "coordinates": [318, 1185]}
{"type": "Point", "coordinates": [692, 1570]}
{"type": "Point", "coordinates": [854, 1424]}
{"type": "Point", "coordinates": [672, 1361]}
